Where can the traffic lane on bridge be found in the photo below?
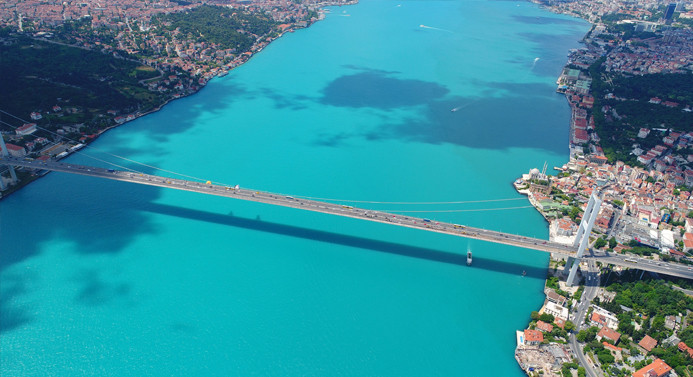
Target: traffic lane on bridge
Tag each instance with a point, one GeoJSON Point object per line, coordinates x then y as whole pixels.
{"type": "Point", "coordinates": [666, 268]}
{"type": "Point", "coordinates": [288, 201]}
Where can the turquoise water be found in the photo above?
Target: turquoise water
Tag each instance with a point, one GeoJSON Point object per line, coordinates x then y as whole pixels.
{"type": "Point", "coordinates": [112, 279]}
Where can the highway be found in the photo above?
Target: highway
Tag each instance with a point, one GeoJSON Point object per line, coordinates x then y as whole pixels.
{"type": "Point", "coordinates": [430, 225]}
{"type": "Point", "coordinates": [579, 313]}
{"type": "Point", "coordinates": [665, 268]}
{"type": "Point", "coordinates": [298, 203]}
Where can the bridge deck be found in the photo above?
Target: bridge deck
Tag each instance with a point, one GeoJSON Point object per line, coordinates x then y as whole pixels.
{"type": "Point", "coordinates": [300, 203]}
{"type": "Point", "coordinates": [672, 269]}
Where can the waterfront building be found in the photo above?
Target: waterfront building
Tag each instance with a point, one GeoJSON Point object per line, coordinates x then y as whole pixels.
{"type": "Point", "coordinates": [533, 337]}
{"type": "Point", "coordinates": [543, 326]}
{"type": "Point", "coordinates": [556, 310]}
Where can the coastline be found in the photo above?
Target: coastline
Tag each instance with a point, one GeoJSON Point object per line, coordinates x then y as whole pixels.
{"type": "Point", "coordinates": [202, 81]}
{"type": "Point", "coordinates": [530, 354]}
{"type": "Point", "coordinates": [160, 107]}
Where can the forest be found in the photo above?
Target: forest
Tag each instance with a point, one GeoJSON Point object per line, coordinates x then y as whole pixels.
{"type": "Point", "coordinates": [618, 127]}
{"type": "Point", "coordinates": [37, 75]}
{"type": "Point", "coordinates": [226, 27]}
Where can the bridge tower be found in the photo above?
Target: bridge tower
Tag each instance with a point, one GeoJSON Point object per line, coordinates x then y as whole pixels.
{"type": "Point", "coordinates": [582, 238]}
{"type": "Point", "coordinates": [5, 153]}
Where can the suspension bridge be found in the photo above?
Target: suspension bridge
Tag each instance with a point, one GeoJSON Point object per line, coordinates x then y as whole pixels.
{"type": "Point", "coordinates": [574, 252]}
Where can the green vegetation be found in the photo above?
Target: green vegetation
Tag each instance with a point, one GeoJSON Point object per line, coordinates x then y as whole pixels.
{"type": "Point", "coordinates": [587, 335]}
{"type": "Point", "coordinates": [226, 27]}
{"type": "Point", "coordinates": [38, 75]}
{"type": "Point", "coordinates": [599, 243]}
{"type": "Point", "coordinates": [650, 297]}
{"type": "Point", "coordinates": [642, 251]}
{"type": "Point", "coordinates": [618, 128]}
{"type": "Point", "coordinates": [612, 242]}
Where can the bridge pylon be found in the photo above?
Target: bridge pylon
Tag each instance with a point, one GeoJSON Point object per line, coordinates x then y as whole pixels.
{"type": "Point", "coordinates": [582, 238]}
{"type": "Point", "coordinates": [5, 153]}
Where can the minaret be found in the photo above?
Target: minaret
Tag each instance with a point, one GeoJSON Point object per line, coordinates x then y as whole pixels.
{"type": "Point", "coordinates": [6, 153]}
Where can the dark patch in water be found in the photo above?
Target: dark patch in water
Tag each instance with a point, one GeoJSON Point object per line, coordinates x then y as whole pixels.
{"type": "Point", "coordinates": [96, 291]}
{"type": "Point", "coordinates": [347, 240]}
{"type": "Point", "coordinates": [378, 90]}
{"type": "Point", "coordinates": [12, 317]}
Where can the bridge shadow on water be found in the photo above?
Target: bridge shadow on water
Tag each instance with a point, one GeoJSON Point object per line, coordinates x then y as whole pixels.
{"type": "Point", "coordinates": [347, 240]}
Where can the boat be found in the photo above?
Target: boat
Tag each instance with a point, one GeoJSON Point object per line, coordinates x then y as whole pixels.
{"type": "Point", "coordinates": [524, 273]}
{"type": "Point", "coordinates": [469, 258]}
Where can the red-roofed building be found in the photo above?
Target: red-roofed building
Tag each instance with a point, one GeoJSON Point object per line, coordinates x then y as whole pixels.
{"type": "Point", "coordinates": [560, 322]}
{"type": "Point", "coordinates": [658, 368]}
{"type": "Point", "coordinates": [581, 136]}
{"type": "Point", "coordinates": [611, 347]}
{"type": "Point", "coordinates": [684, 348]}
{"type": "Point", "coordinates": [608, 333]}
{"type": "Point", "coordinates": [26, 129]}
{"type": "Point", "coordinates": [615, 351]}
{"type": "Point", "coordinates": [598, 319]}
{"type": "Point", "coordinates": [15, 150]}
{"type": "Point", "coordinates": [543, 326]}
{"type": "Point", "coordinates": [648, 343]}
{"type": "Point", "coordinates": [687, 241]}
{"type": "Point", "coordinates": [533, 337]}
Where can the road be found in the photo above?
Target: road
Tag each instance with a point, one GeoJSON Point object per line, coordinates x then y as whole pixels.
{"type": "Point", "coordinates": [590, 292]}
{"type": "Point", "coordinates": [665, 268]}
{"type": "Point", "coordinates": [299, 203]}
{"type": "Point", "coordinates": [236, 192]}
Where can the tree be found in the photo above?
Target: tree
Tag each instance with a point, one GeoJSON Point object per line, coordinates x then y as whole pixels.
{"type": "Point", "coordinates": [546, 317]}
{"type": "Point", "coordinates": [599, 243]}
{"type": "Point", "coordinates": [534, 315]}
{"type": "Point", "coordinates": [569, 326]}
{"type": "Point", "coordinates": [612, 242]}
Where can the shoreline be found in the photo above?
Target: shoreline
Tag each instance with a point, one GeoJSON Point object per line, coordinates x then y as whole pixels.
{"type": "Point", "coordinates": [202, 81]}
{"type": "Point", "coordinates": [538, 352]}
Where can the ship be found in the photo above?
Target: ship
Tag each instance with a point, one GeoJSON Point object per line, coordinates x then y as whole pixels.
{"type": "Point", "coordinates": [469, 258]}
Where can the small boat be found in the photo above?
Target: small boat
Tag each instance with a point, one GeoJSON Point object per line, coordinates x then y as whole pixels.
{"type": "Point", "coordinates": [524, 273]}
{"type": "Point", "coordinates": [469, 258]}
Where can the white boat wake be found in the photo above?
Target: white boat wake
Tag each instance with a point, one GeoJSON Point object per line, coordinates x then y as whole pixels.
{"type": "Point", "coordinates": [435, 28]}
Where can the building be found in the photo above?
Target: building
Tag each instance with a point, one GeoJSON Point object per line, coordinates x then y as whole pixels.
{"type": "Point", "coordinates": [563, 227]}
{"type": "Point", "coordinates": [658, 368]}
{"type": "Point", "coordinates": [15, 150]}
{"type": "Point", "coordinates": [533, 337]}
{"type": "Point", "coordinates": [602, 317]}
{"type": "Point", "coordinates": [648, 343]}
{"type": "Point", "coordinates": [615, 351]}
{"type": "Point", "coordinates": [683, 347]}
{"type": "Point", "coordinates": [556, 310]}
{"type": "Point", "coordinates": [607, 333]}
{"type": "Point", "coordinates": [670, 322]}
{"type": "Point", "coordinates": [554, 297]}
{"type": "Point", "coordinates": [669, 13]}
{"type": "Point", "coordinates": [543, 326]}
{"type": "Point", "coordinates": [26, 129]}
{"type": "Point", "coordinates": [687, 242]}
